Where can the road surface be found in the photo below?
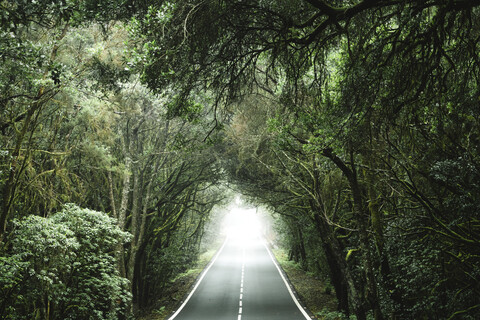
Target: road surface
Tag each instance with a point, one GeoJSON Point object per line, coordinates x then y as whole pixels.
{"type": "Point", "coordinates": [243, 283]}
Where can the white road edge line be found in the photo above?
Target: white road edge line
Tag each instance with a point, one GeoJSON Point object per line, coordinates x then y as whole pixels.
{"type": "Point", "coordinates": [198, 282]}
{"type": "Point", "coordinates": [299, 306]}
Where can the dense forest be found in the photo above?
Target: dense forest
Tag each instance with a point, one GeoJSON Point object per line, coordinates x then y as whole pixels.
{"type": "Point", "coordinates": [122, 124]}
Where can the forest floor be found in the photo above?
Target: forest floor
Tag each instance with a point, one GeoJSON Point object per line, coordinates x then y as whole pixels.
{"type": "Point", "coordinates": [311, 290]}
{"type": "Point", "coordinates": [315, 294]}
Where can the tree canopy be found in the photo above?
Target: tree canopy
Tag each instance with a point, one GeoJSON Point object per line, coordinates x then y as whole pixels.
{"type": "Point", "coordinates": [385, 93]}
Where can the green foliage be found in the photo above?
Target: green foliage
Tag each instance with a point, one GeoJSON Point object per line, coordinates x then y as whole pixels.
{"type": "Point", "coordinates": [183, 108]}
{"type": "Point", "coordinates": [159, 311]}
{"type": "Point", "coordinates": [333, 315]}
{"type": "Point", "coordinates": [365, 142]}
{"type": "Point", "coordinates": [76, 126]}
{"type": "Point", "coordinates": [53, 12]}
{"type": "Point", "coordinates": [106, 75]}
{"type": "Point", "coordinates": [64, 267]}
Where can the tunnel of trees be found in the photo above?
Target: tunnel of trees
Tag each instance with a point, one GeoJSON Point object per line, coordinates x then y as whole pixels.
{"type": "Point", "coordinates": [357, 122]}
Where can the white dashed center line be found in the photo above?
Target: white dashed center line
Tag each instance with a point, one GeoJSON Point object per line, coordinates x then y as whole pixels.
{"type": "Point", "coordinates": [240, 303]}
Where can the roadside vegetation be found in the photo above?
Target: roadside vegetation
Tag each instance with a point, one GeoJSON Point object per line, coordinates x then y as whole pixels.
{"type": "Point", "coordinates": [315, 293]}
{"type": "Point", "coordinates": [177, 290]}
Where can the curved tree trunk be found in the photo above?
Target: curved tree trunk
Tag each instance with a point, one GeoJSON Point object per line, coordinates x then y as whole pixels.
{"type": "Point", "coordinates": [361, 217]}
{"type": "Point", "coordinates": [337, 271]}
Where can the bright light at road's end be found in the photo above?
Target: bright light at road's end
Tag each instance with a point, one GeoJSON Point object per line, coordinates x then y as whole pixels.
{"type": "Point", "coordinates": [242, 224]}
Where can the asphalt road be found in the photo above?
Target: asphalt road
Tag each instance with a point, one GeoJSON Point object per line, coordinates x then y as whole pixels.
{"type": "Point", "coordinates": [243, 283]}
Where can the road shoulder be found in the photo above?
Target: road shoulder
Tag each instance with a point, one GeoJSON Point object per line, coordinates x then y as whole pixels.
{"type": "Point", "coordinates": [311, 291]}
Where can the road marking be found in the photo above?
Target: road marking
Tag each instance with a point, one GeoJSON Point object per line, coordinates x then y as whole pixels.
{"type": "Point", "coordinates": [199, 281]}
{"type": "Point", "coordinates": [240, 303]}
{"type": "Point", "coordinates": [299, 306]}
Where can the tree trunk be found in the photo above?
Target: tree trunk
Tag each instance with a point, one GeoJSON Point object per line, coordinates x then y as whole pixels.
{"type": "Point", "coordinates": [135, 217]}
{"type": "Point", "coordinates": [301, 248]}
{"type": "Point", "coordinates": [362, 219]}
{"type": "Point", "coordinates": [359, 212]}
{"type": "Point", "coordinates": [377, 225]}
{"type": "Point", "coordinates": [122, 212]}
{"type": "Point", "coordinates": [111, 194]}
{"type": "Point", "coordinates": [337, 273]}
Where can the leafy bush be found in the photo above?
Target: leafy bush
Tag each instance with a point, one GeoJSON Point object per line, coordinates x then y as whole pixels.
{"type": "Point", "coordinates": [63, 267]}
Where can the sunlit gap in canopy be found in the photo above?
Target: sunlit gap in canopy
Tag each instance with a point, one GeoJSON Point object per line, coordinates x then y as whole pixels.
{"type": "Point", "coordinates": [242, 224]}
